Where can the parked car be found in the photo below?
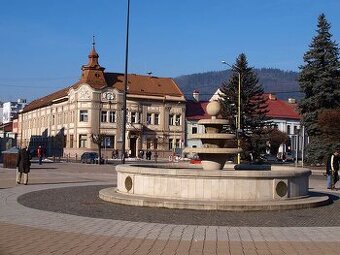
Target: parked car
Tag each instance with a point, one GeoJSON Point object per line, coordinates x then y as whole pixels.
{"type": "Point", "coordinates": [289, 157]}
{"type": "Point", "coordinates": [90, 157]}
{"type": "Point", "coordinates": [268, 158]}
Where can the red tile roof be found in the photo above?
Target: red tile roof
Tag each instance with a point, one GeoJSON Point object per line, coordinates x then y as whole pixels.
{"type": "Point", "coordinates": [196, 110]}
{"type": "Point", "coordinates": [144, 85]}
{"type": "Point", "coordinates": [278, 109]}
{"type": "Point", "coordinates": [137, 85]}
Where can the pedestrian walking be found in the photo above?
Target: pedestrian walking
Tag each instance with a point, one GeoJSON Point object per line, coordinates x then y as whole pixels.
{"type": "Point", "coordinates": [23, 165]}
{"type": "Point", "coordinates": [332, 168]}
{"type": "Point", "coordinates": [148, 154]}
{"type": "Point", "coordinates": [141, 154]}
{"type": "Point", "coordinates": [40, 154]}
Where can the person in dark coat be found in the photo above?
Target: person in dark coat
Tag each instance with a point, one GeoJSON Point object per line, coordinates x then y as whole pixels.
{"type": "Point", "coordinates": [148, 154]}
{"type": "Point", "coordinates": [23, 165]}
{"type": "Point", "coordinates": [40, 154]}
{"type": "Point", "coordinates": [332, 168]}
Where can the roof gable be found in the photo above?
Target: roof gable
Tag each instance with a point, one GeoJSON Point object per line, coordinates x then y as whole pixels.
{"type": "Point", "coordinates": [196, 110]}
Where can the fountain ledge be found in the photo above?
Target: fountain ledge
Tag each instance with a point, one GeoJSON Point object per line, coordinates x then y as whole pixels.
{"type": "Point", "coordinates": [161, 186]}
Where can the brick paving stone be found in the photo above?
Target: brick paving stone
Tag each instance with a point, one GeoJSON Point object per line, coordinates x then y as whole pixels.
{"type": "Point", "coordinates": [157, 247]}
{"type": "Point", "coordinates": [183, 247]}
{"type": "Point", "coordinates": [171, 247]}
{"type": "Point", "coordinates": [196, 247]}
{"type": "Point", "coordinates": [210, 247]}
{"type": "Point", "coordinates": [41, 232]}
{"type": "Point", "coordinates": [223, 248]}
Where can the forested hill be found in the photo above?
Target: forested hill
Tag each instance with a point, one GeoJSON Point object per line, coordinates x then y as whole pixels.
{"type": "Point", "coordinates": [283, 83]}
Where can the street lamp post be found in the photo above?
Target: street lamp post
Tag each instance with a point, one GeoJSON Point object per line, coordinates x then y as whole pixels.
{"type": "Point", "coordinates": [297, 134]}
{"type": "Point", "coordinates": [303, 145]}
{"type": "Point", "coordinates": [125, 82]}
{"type": "Point", "coordinates": [238, 109]}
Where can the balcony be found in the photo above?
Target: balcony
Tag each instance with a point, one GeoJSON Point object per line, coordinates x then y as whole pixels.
{"type": "Point", "coordinates": [133, 127]}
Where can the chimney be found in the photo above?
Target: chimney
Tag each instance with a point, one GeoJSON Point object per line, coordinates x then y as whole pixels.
{"type": "Point", "coordinates": [196, 95]}
{"type": "Point", "coordinates": [272, 97]}
{"type": "Point", "coordinates": [21, 101]}
{"type": "Point", "coordinates": [291, 100]}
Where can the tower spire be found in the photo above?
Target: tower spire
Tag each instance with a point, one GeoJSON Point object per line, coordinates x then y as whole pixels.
{"type": "Point", "coordinates": [93, 73]}
{"type": "Point", "coordinates": [93, 41]}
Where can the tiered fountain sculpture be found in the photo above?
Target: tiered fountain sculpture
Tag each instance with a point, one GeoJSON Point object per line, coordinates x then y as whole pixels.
{"type": "Point", "coordinates": [213, 153]}
{"type": "Point", "coordinates": [185, 186]}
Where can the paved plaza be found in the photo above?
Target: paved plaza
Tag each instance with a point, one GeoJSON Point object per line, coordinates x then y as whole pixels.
{"type": "Point", "coordinates": [59, 212]}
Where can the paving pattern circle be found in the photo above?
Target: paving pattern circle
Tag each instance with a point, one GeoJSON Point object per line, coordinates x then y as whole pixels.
{"type": "Point", "coordinates": [84, 201]}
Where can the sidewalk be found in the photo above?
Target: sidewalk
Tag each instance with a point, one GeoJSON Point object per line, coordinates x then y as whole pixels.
{"type": "Point", "coordinates": [30, 231]}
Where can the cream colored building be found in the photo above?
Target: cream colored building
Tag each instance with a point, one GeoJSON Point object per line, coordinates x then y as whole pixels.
{"type": "Point", "coordinates": [64, 121]}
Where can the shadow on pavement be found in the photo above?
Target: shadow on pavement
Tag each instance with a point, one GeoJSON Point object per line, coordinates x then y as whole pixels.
{"type": "Point", "coordinates": [61, 182]}
{"type": "Point", "coordinates": [332, 197]}
{"type": "Point", "coordinates": [44, 168]}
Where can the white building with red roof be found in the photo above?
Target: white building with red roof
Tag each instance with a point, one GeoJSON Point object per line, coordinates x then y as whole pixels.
{"type": "Point", "coordinates": [283, 113]}
{"type": "Point", "coordinates": [64, 121]}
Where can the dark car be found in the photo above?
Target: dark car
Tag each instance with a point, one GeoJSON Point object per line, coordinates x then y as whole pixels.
{"type": "Point", "coordinates": [289, 157]}
{"type": "Point", "coordinates": [267, 158]}
{"type": "Point", "coordinates": [89, 157]}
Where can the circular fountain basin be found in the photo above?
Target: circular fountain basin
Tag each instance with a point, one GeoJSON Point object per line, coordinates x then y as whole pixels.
{"type": "Point", "coordinates": [163, 185]}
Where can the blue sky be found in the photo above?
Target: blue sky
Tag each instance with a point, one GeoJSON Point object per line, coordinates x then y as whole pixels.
{"type": "Point", "coordinates": [44, 43]}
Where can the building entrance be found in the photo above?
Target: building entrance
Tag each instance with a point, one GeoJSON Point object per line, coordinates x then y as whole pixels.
{"type": "Point", "coordinates": [133, 142]}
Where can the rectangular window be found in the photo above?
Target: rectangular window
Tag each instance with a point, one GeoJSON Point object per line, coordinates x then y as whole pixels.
{"type": "Point", "coordinates": [156, 118]}
{"type": "Point", "coordinates": [178, 120]}
{"type": "Point", "coordinates": [177, 143]}
{"type": "Point", "coordinates": [193, 130]}
{"type": "Point", "coordinates": [103, 117]}
{"type": "Point", "coordinates": [171, 119]}
{"type": "Point", "coordinates": [108, 141]}
{"type": "Point", "coordinates": [71, 141]}
{"type": "Point", "coordinates": [155, 144]}
{"type": "Point", "coordinates": [295, 130]}
{"type": "Point", "coordinates": [133, 117]}
{"type": "Point", "coordinates": [83, 116]}
{"type": "Point", "coordinates": [171, 144]}
{"type": "Point", "coordinates": [149, 118]}
{"type": "Point", "coordinates": [288, 129]}
{"type": "Point", "coordinates": [112, 117]}
{"type": "Point", "coordinates": [82, 141]}
{"type": "Point", "coordinates": [148, 143]}
{"type": "Point", "coordinates": [60, 118]}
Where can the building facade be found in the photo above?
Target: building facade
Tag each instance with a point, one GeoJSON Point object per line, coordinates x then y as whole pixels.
{"type": "Point", "coordinates": [196, 110]}
{"type": "Point", "coordinates": [285, 116]}
{"type": "Point", "coordinates": [64, 122]}
{"type": "Point", "coordinates": [10, 110]}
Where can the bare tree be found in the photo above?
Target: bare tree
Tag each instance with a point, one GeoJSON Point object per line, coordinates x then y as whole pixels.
{"type": "Point", "coordinates": [276, 138]}
{"type": "Point", "coordinates": [98, 140]}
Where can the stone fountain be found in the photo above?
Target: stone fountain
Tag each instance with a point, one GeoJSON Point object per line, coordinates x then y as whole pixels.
{"type": "Point", "coordinates": [213, 153]}
{"type": "Point", "coordinates": [214, 186]}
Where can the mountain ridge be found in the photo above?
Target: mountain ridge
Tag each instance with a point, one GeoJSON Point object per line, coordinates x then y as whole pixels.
{"type": "Point", "coordinates": [283, 83]}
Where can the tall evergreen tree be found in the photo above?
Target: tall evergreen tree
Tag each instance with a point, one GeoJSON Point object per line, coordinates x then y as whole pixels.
{"type": "Point", "coordinates": [253, 107]}
{"type": "Point", "coordinates": [320, 81]}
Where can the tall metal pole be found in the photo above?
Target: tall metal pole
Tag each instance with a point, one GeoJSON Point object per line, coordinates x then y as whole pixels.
{"type": "Point", "coordinates": [125, 82]}
{"type": "Point", "coordinates": [239, 117]}
{"type": "Point", "coordinates": [303, 145]}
